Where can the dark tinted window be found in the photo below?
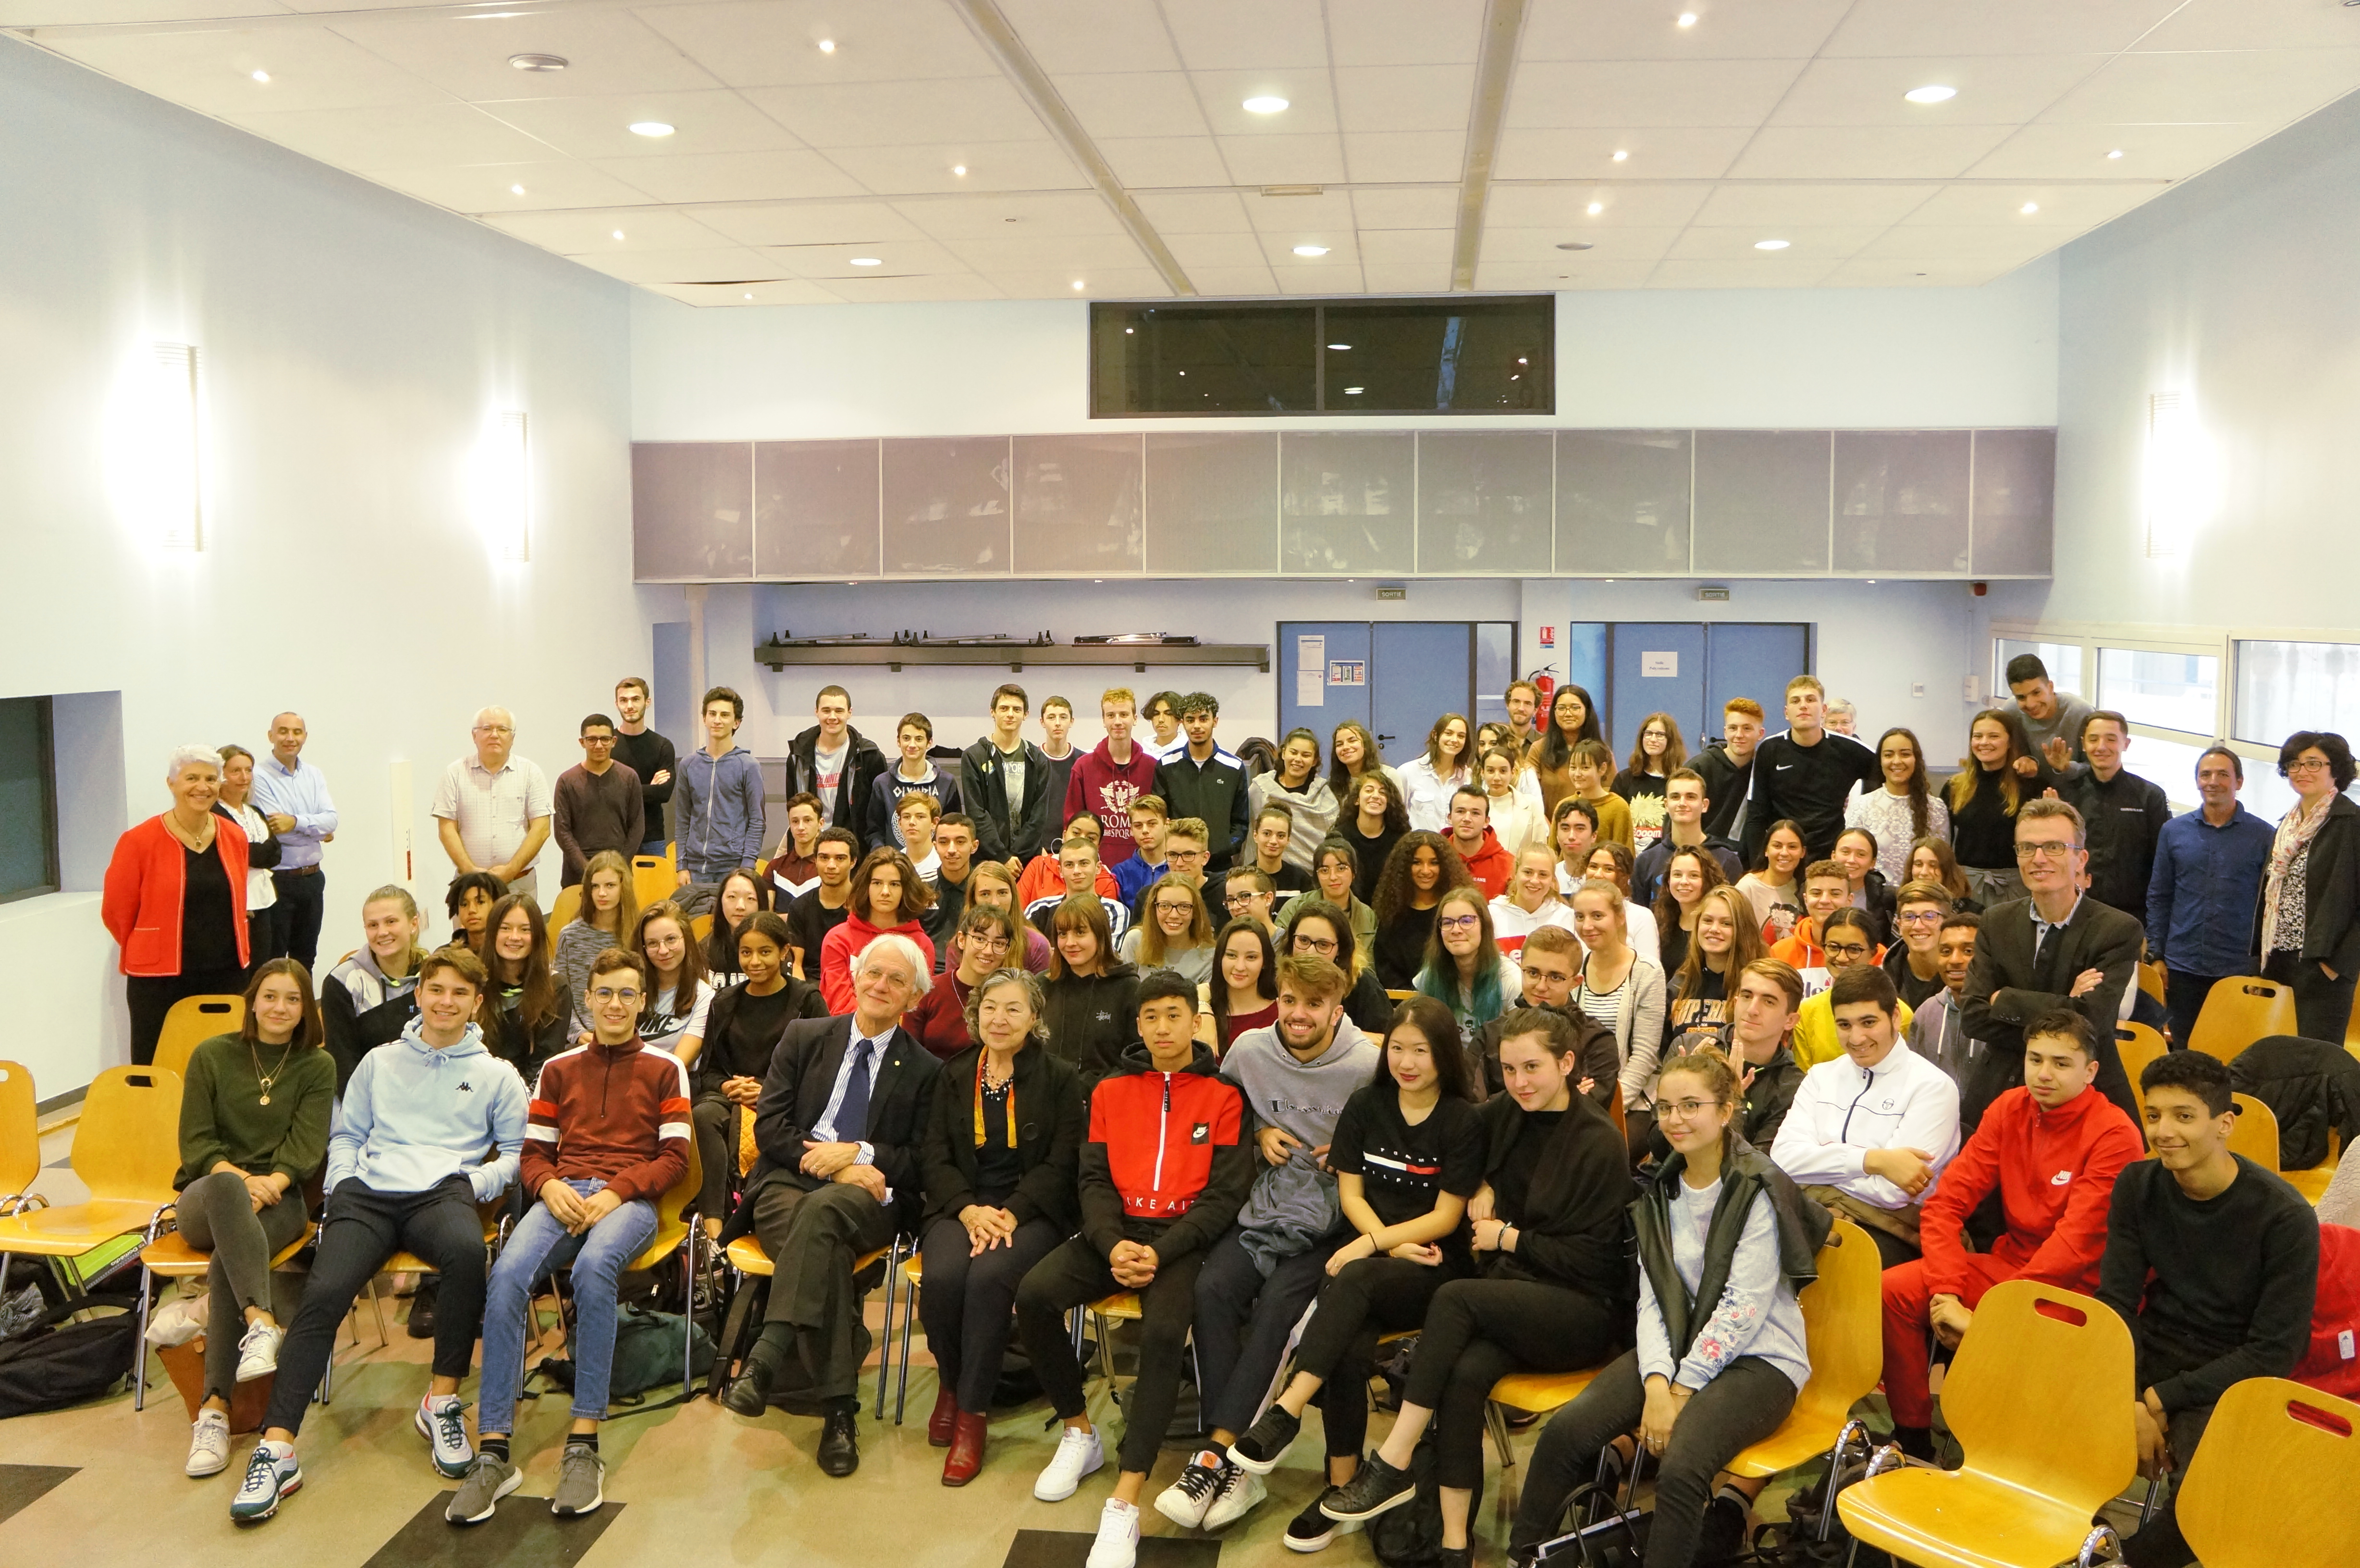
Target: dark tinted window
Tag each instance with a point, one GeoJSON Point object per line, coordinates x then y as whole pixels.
{"type": "Point", "coordinates": [1476, 357]}
{"type": "Point", "coordinates": [28, 803]}
{"type": "Point", "coordinates": [1203, 359]}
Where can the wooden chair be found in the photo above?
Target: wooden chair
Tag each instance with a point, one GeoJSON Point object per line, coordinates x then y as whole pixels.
{"type": "Point", "coordinates": [2240, 1010]}
{"type": "Point", "coordinates": [20, 1136]}
{"type": "Point", "coordinates": [2034, 1396]}
{"type": "Point", "coordinates": [2273, 1483]}
{"type": "Point", "coordinates": [2255, 1133]}
{"type": "Point", "coordinates": [700, 927]}
{"type": "Point", "coordinates": [193, 1022]}
{"type": "Point", "coordinates": [748, 1261]}
{"type": "Point", "coordinates": [494, 1212]}
{"type": "Point", "coordinates": [563, 912]}
{"type": "Point", "coordinates": [654, 878]}
{"type": "Point", "coordinates": [1539, 1392]}
{"type": "Point", "coordinates": [2150, 980]}
{"type": "Point", "coordinates": [169, 1256]}
{"type": "Point", "coordinates": [1844, 1318]}
{"type": "Point", "coordinates": [2138, 1044]}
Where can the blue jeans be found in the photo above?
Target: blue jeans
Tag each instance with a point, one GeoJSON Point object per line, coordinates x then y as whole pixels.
{"type": "Point", "coordinates": [539, 1245]}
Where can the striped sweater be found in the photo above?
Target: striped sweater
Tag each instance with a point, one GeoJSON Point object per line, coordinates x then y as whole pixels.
{"type": "Point", "coordinates": [612, 1113]}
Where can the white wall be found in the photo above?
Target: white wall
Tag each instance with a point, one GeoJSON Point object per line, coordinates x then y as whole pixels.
{"type": "Point", "coordinates": [353, 345]}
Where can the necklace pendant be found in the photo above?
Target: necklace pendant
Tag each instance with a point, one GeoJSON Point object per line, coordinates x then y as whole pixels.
{"type": "Point", "coordinates": [266, 1096]}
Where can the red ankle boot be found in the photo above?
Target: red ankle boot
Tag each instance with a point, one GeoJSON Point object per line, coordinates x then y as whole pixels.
{"type": "Point", "coordinates": [938, 1426]}
{"type": "Point", "coordinates": [966, 1456]}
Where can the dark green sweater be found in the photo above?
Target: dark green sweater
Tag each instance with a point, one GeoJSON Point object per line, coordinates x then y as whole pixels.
{"type": "Point", "coordinates": [223, 1116]}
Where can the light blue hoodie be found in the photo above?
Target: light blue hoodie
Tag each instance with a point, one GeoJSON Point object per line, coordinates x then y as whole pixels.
{"type": "Point", "coordinates": [414, 1116]}
{"type": "Point", "coordinates": [716, 807]}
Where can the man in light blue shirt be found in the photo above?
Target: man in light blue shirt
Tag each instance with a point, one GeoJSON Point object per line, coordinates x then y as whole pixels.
{"type": "Point", "coordinates": [294, 796]}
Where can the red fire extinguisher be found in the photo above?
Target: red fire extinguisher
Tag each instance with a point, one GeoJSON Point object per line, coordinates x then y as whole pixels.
{"type": "Point", "coordinates": [1546, 679]}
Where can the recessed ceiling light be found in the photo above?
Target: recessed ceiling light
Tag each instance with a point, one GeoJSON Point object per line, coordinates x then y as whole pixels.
{"type": "Point", "coordinates": [1596, 207]}
{"type": "Point", "coordinates": [619, 233]}
{"type": "Point", "coordinates": [1354, 391]}
{"type": "Point", "coordinates": [1575, 245]}
{"type": "Point", "coordinates": [1933, 92]}
{"type": "Point", "coordinates": [1621, 155]}
{"type": "Point", "coordinates": [1687, 19]}
{"type": "Point", "coordinates": [538, 61]}
{"type": "Point", "coordinates": [2029, 208]}
{"type": "Point", "coordinates": [1340, 347]}
{"type": "Point", "coordinates": [1770, 245]}
{"type": "Point", "coordinates": [262, 76]}
{"type": "Point", "coordinates": [827, 45]}
{"type": "Point", "coordinates": [868, 261]}
{"type": "Point", "coordinates": [649, 128]}
{"type": "Point", "coordinates": [1310, 250]}
{"type": "Point", "coordinates": [1267, 104]}
{"type": "Point", "coordinates": [516, 190]}
{"type": "Point", "coordinates": [1077, 283]}
{"type": "Point", "coordinates": [959, 170]}
{"type": "Point", "coordinates": [2117, 153]}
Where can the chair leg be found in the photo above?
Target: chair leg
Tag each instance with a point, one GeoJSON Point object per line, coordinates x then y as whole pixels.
{"type": "Point", "coordinates": [688, 1316]}
{"type": "Point", "coordinates": [885, 1344]}
{"type": "Point", "coordinates": [139, 1344]}
{"type": "Point", "coordinates": [384, 1340]}
{"type": "Point", "coordinates": [1495, 1421]}
{"type": "Point", "coordinates": [902, 1389]}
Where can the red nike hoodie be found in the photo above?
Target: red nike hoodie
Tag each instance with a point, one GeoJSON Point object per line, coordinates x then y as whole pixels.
{"type": "Point", "coordinates": [2055, 1170]}
{"type": "Point", "coordinates": [1166, 1162]}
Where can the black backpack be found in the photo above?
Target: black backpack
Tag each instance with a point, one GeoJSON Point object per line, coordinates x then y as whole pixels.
{"type": "Point", "coordinates": [53, 1363]}
{"type": "Point", "coordinates": [647, 1355]}
{"type": "Point", "coordinates": [1411, 1536]}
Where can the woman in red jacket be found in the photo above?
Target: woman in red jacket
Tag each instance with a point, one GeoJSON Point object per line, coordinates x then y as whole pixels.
{"type": "Point", "coordinates": [175, 900]}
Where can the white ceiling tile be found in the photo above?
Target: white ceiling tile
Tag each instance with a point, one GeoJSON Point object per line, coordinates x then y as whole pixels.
{"type": "Point", "coordinates": [812, 223]}
{"type": "Point", "coordinates": [998, 216]}
{"type": "Point", "coordinates": [1980, 241]}
{"type": "Point", "coordinates": [1896, 27]}
{"type": "Point", "coordinates": [900, 113]}
{"type": "Point", "coordinates": [900, 290]}
{"type": "Point", "coordinates": [1395, 157]}
{"type": "Point", "coordinates": [1538, 247]}
{"type": "Point", "coordinates": [718, 121]}
{"type": "Point", "coordinates": [1146, 163]}
{"type": "Point", "coordinates": [990, 166]}
{"type": "Point", "coordinates": [1306, 279]}
{"type": "Point", "coordinates": [1330, 210]}
{"type": "Point", "coordinates": [1568, 206]}
{"type": "Point", "coordinates": [1408, 276]}
{"type": "Point", "coordinates": [401, 136]}
{"type": "Point", "coordinates": [782, 175]}
{"type": "Point", "coordinates": [762, 43]}
{"type": "Point", "coordinates": [1405, 32]}
{"type": "Point", "coordinates": [1247, 35]}
{"type": "Point", "coordinates": [1133, 104]}
{"type": "Point", "coordinates": [1016, 251]}
{"type": "Point", "coordinates": [1283, 160]}
{"type": "Point", "coordinates": [1408, 246]}
{"type": "Point", "coordinates": [1404, 97]}
{"type": "Point", "coordinates": [2151, 152]}
{"type": "Point", "coordinates": [1104, 283]}
{"type": "Point", "coordinates": [785, 291]}
{"type": "Point", "coordinates": [1233, 281]}
{"type": "Point", "coordinates": [1731, 29]}
{"type": "Point", "coordinates": [1568, 272]}
{"type": "Point", "coordinates": [1863, 152]}
{"type": "Point", "coordinates": [1804, 246]}
{"type": "Point", "coordinates": [1658, 153]}
{"type": "Point", "coordinates": [1432, 207]}
{"type": "Point", "coordinates": [2271, 86]}
{"type": "Point", "coordinates": [605, 51]}
{"type": "Point", "coordinates": [212, 71]}
{"type": "Point", "coordinates": [577, 233]}
{"type": "Point", "coordinates": [714, 264]}
{"type": "Point", "coordinates": [1878, 272]}
{"type": "Point", "coordinates": [1813, 206]}
{"type": "Point", "coordinates": [2252, 24]}
{"type": "Point", "coordinates": [490, 187]}
{"type": "Point", "coordinates": [1992, 90]}
{"type": "Point", "coordinates": [2000, 204]}
{"type": "Point", "coordinates": [1623, 93]}
{"type": "Point", "coordinates": [1192, 212]}
{"type": "Point", "coordinates": [1093, 34]}
{"type": "Point", "coordinates": [1222, 94]}
{"type": "Point", "coordinates": [1194, 251]}
{"type": "Point", "coordinates": [63, 13]}
{"type": "Point", "coordinates": [1702, 272]}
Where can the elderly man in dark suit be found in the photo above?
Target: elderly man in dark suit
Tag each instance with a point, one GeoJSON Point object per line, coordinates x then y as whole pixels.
{"type": "Point", "coordinates": [2060, 948]}
{"type": "Point", "coordinates": [839, 1123]}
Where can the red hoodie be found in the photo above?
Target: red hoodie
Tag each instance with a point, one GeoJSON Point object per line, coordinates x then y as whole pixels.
{"type": "Point", "coordinates": [2055, 1171]}
{"type": "Point", "coordinates": [1490, 864]}
{"type": "Point", "coordinates": [845, 943]}
{"type": "Point", "coordinates": [1105, 788]}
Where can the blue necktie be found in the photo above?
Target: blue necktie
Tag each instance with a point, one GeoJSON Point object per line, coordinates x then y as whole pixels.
{"type": "Point", "coordinates": [852, 1116]}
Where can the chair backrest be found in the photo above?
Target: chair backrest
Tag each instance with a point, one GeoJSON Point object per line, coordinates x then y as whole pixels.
{"type": "Point", "coordinates": [2273, 1483]}
{"type": "Point", "coordinates": [20, 1129]}
{"type": "Point", "coordinates": [700, 927]}
{"type": "Point", "coordinates": [1844, 1319]}
{"type": "Point", "coordinates": [2240, 1010]}
{"type": "Point", "coordinates": [193, 1022]}
{"type": "Point", "coordinates": [127, 1144]}
{"type": "Point", "coordinates": [563, 912]}
{"type": "Point", "coordinates": [2073, 1442]}
{"type": "Point", "coordinates": [653, 880]}
{"type": "Point", "coordinates": [2138, 1044]}
{"type": "Point", "coordinates": [2150, 980]}
{"type": "Point", "coordinates": [2255, 1133]}
{"type": "Point", "coordinates": [682, 1192]}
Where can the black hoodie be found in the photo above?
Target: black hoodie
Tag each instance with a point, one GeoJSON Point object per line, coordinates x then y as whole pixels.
{"type": "Point", "coordinates": [863, 766]}
{"type": "Point", "coordinates": [1091, 1017]}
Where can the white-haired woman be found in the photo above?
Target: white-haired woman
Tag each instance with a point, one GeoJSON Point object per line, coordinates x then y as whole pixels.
{"type": "Point", "coordinates": [175, 900]}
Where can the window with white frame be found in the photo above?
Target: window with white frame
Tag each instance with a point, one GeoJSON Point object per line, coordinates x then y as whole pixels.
{"type": "Point", "coordinates": [2283, 687]}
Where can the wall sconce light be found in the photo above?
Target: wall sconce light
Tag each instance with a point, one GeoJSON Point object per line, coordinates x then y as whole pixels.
{"type": "Point", "coordinates": [2178, 473]}
{"type": "Point", "coordinates": [505, 489]}
{"type": "Point", "coordinates": [161, 473]}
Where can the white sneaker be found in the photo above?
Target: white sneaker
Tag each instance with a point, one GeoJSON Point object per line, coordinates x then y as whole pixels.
{"type": "Point", "coordinates": [1241, 1490]}
{"type": "Point", "coordinates": [1078, 1454]}
{"type": "Point", "coordinates": [257, 1353]}
{"type": "Point", "coordinates": [208, 1444]}
{"type": "Point", "coordinates": [1184, 1501]}
{"type": "Point", "coordinates": [445, 1430]}
{"type": "Point", "coordinates": [1117, 1545]}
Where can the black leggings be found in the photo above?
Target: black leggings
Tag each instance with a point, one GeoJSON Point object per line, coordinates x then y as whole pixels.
{"type": "Point", "coordinates": [965, 1301]}
{"type": "Point", "coordinates": [1478, 1331]}
{"type": "Point", "coordinates": [1366, 1298]}
{"type": "Point", "coordinates": [1074, 1275]}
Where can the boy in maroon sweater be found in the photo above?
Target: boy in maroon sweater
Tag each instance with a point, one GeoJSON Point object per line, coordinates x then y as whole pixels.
{"type": "Point", "coordinates": [607, 1135]}
{"type": "Point", "coordinates": [1107, 778]}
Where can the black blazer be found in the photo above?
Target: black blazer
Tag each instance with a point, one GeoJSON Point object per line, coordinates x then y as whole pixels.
{"type": "Point", "coordinates": [1050, 1123]}
{"type": "Point", "coordinates": [2331, 913]}
{"type": "Point", "coordinates": [2098, 937]}
{"type": "Point", "coordinates": [795, 1093]}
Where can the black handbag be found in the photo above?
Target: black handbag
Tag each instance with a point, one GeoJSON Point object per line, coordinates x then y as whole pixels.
{"type": "Point", "coordinates": [53, 1363]}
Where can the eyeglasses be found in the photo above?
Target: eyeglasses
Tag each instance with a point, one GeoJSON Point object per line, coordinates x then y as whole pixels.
{"type": "Point", "coordinates": [1170, 907]}
{"type": "Point", "coordinates": [1324, 946]}
{"type": "Point", "coordinates": [605, 994]}
{"type": "Point", "coordinates": [986, 942]}
{"type": "Point", "coordinates": [1189, 855]}
{"type": "Point", "coordinates": [1847, 950]}
{"type": "Point", "coordinates": [2032, 852]}
{"type": "Point", "coordinates": [1684, 1110]}
{"type": "Point", "coordinates": [1919, 916]}
{"type": "Point", "coordinates": [1458, 922]}
{"type": "Point", "coordinates": [2307, 765]}
{"type": "Point", "coordinates": [1235, 899]}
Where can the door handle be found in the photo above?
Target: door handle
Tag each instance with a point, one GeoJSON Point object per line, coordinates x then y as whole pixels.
{"type": "Point", "coordinates": [1382, 739]}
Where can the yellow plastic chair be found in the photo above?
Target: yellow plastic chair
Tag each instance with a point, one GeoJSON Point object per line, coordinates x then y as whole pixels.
{"type": "Point", "coordinates": [1844, 1319]}
{"type": "Point", "coordinates": [170, 1257]}
{"type": "Point", "coordinates": [2138, 1044]}
{"type": "Point", "coordinates": [2240, 1010]}
{"type": "Point", "coordinates": [1539, 1392]}
{"type": "Point", "coordinates": [700, 927]}
{"type": "Point", "coordinates": [2150, 980]}
{"type": "Point", "coordinates": [494, 1214]}
{"type": "Point", "coordinates": [654, 878]}
{"type": "Point", "coordinates": [2255, 1133]}
{"type": "Point", "coordinates": [2036, 1398]}
{"type": "Point", "coordinates": [746, 1258]}
{"type": "Point", "coordinates": [20, 1135]}
{"type": "Point", "coordinates": [193, 1022]}
{"type": "Point", "coordinates": [563, 912]}
{"type": "Point", "coordinates": [2273, 1483]}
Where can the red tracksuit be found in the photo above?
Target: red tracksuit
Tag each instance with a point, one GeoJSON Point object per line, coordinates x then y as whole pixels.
{"type": "Point", "coordinates": [2055, 1171]}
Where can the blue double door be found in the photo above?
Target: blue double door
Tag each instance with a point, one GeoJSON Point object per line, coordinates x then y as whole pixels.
{"type": "Point", "coordinates": [1691, 670]}
{"type": "Point", "coordinates": [1394, 677]}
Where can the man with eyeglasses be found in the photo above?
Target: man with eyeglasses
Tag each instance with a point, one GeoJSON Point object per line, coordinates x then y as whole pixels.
{"type": "Point", "coordinates": [492, 811]}
{"type": "Point", "coordinates": [1918, 912]}
{"type": "Point", "coordinates": [2057, 948]}
{"type": "Point", "coordinates": [1248, 893]}
{"type": "Point", "coordinates": [1550, 961]}
{"type": "Point", "coordinates": [1849, 944]}
{"type": "Point", "coordinates": [1185, 858]}
{"type": "Point", "coordinates": [598, 803]}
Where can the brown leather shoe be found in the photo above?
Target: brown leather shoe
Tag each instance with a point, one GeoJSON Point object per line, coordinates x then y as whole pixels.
{"type": "Point", "coordinates": [966, 1456]}
{"type": "Point", "coordinates": [938, 1426]}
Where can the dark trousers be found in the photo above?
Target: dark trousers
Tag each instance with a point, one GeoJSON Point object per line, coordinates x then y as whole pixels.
{"type": "Point", "coordinates": [1478, 1331]}
{"type": "Point", "coordinates": [1738, 1408]}
{"type": "Point", "coordinates": [813, 1231]}
{"type": "Point", "coordinates": [2159, 1545]}
{"type": "Point", "coordinates": [1243, 1321]}
{"type": "Point", "coordinates": [217, 1217]}
{"type": "Point", "coordinates": [262, 938]}
{"type": "Point", "coordinates": [967, 1302]}
{"type": "Point", "coordinates": [2183, 998]}
{"type": "Point", "coordinates": [295, 919]}
{"type": "Point", "coordinates": [2322, 1008]}
{"type": "Point", "coordinates": [715, 1122]}
{"type": "Point", "coordinates": [1074, 1275]}
{"type": "Point", "coordinates": [363, 1229]}
{"type": "Point", "coordinates": [149, 997]}
{"type": "Point", "coordinates": [1365, 1299]}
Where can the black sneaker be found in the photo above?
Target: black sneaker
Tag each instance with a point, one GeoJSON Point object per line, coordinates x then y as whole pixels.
{"type": "Point", "coordinates": [1266, 1442]}
{"type": "Point", "coordinates": [1378, 1488]}
{"type": "Point", "coordinates": [1310, 1531]}
{"type": "Point", "coordinates": [1454, 1557]}
{"type": "Point", "coordinates": [422, 1310]}
{"type": "Point", "coordinates": [1722, 1539]}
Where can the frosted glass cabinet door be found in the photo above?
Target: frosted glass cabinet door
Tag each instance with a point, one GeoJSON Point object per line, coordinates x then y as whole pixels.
{"type": "Point", "coordinates": [816, 509]}
{"type": "Point", "coordinates": [946, 506]}
{"type": "Point", "coordinates": [1901, 500]}
{"type": "Point", "coordinates": [1212, 504]}
{"type": "Point", "coordinates": [1077, 503]}
{"type": "Point", "coordinates": [692, 509]}
{"type": "Point", "coordinates": [1485, 502]}
{"type": "Point", "coordinates": [1345, 502]}
{"type": "Point", "coordinates": [2015, 491]}
{"type": "Point", "coordinates": [1623, 501]}
{"type": "Point", "coordinates": [1762, 501]}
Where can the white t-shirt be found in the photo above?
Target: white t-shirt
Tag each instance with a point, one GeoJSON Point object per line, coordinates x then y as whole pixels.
{"type": "Point", "coordinates": [659, 1029]}
{"type": "Point", "coordinates": [1511, 924]}
{"type": "Point", "coordinates": [827, 769]}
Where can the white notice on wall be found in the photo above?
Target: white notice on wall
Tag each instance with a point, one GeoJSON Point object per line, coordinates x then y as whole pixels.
{"type": "Point", "coordinates": [1310, 670]}
{"type": "Point", "coordinates": [1659, 663]}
